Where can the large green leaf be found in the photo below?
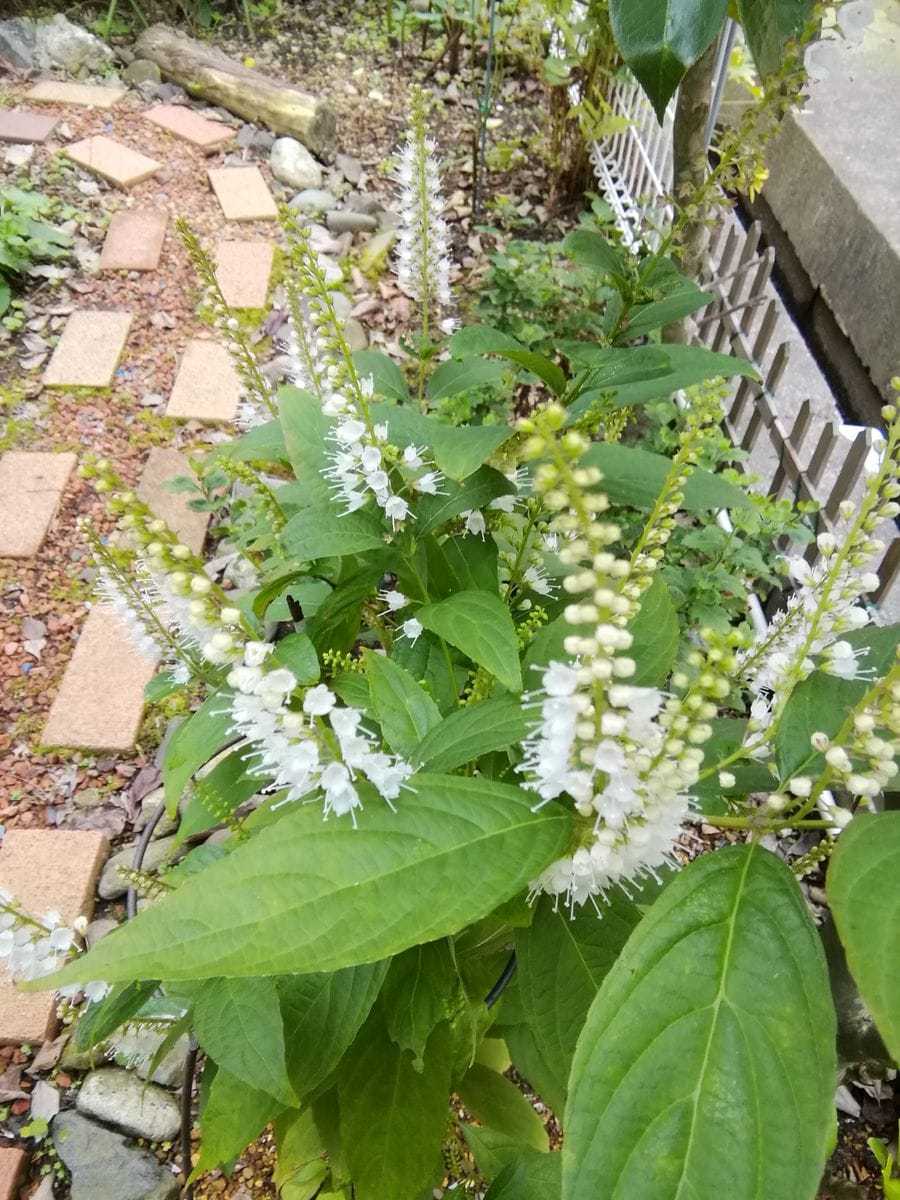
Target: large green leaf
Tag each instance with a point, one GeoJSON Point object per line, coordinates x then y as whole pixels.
{"type": "Point", "coordinates": [263, 443]}
{"type": "Point", "coordinates": [194, 743]}
{"type": "Point", "coordinates": [655, 631]}
{"type": "Point", "coordinates": [660, 39]}
{"type": "Point", "coordinates": [304, 895]}
{"type": "Point", "coordinates": [563, 958]}
{"type": "Point", "coordinates": [478, 489]}
{"type": "Point", "coordinates": [480, 625]}
{"type": "Point", "coordinates": [298, 654]}
{"type": "Point", "coordinates": [592, 249]}
{"type": "Point", "coordinates": [461, 563]}
{"type": "Point", "coordinates": [532, 1177]}
{"type": "Point", "coordinates": [635, 477]}
{"type": "Point", "coordinates": [455, 376]}
{"type": "Point", "coordinates": [323, 530]}
{"type": "Point", "coordinates": [712, 1035]}
{"type": "Point", "coordinates": [416, 995]}
{"type": "Point", "coordinates": [386, 376]}
{"type": "Point", "coordinates": [495, 1101]}
{"type": "Point", "coordinates": [306, 430]}
{"type": "Point", "coordinates": [392, 1115]}
{"type": "Point", "coordinates": [480, 339]}
{"type": "Point", "coordinates": [864, 893]}
{"type": "Point", "coordinates": [322, 1014]}
{"type": "Point", "coordinates": [404, 710]}
{"type": "Point", "coordinates": [463, 736]}
{"type": "Point", "coordinates": [768, 25]}
{"type": "Point", "coordinates": [458, 451]}
{"type": "Point", "coordinates": [300, 1169]}
{"type": "Point", "coordinates": [681, 302]}
{"type": "Point", "coordinates": [238, 1023]}
{"type": "Point", "coordinates": [233, 1116]}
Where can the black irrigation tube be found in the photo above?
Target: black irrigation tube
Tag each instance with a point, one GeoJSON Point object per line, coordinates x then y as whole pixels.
{"type": "Point", "coordinates": [190, 1063]}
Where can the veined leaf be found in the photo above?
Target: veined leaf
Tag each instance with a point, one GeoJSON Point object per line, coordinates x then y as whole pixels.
{"type": "Point", "coordinates": [635, 477]}
{"type": "Point", "coordinates": [455, 376]}
{"type": "Point", "coordinates": [194, 743]}
{"type": "Point", "coordinates": [416, 994]}
{"type": "Point", "coordinates": [592, 249]}
{"type": "Point", "coordinates": [496, 1102]}
{"type": "Point", "coordinates": [404, 710]}
{"type": "Point", "coordinates": [298, 654]}
{"type": "Point", "coordinates": [386, 375]}
{"type": "Point", "coordinates": [227, 786]}
{"type": "Point", "coordinates": [681, 302]}
{"type": "Point", "coordinates": [768, 25]}
{"type": "Point", "coordinates": [303, 895]}
{"type": "Point", "coordinates": [531, 1177]}
{"type": "Point", "coordinates": [480, 625]}
{"type": "Point", "coordinates": [475, 491]}
{"type": "Point", "coordinates": [464, 735]}
{"type": "Point", "coordinates": [655, 631]}
{"type": "Point", "coordinates": [480, 339]}
{"type": "Point", "coordinates": [713, 1030]}
{"type": "Point", "coordinates": [863, 892]}
{"type": "Point", "coordinates": [459, 451]}
{"type": "Point", "coordinates": [232, 1117]}
{"type": "Point", "coordinates": [461, 563]}
{"type": "Point", "coordinates": [306, 430]}
{"type": "Point", "coordinates": [263, 443]}
{"type": "Point", "coordinates": [323, 530]}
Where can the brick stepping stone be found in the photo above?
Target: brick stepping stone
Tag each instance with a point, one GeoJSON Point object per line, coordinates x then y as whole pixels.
{"type": "Point", "coordinates": [134, 240]}
{"type": "Point", "coordinates": [31, 485]}
{"type": "Point", "coordinates": [243, 270]}
{"type": "Point", "coordinates": [207, 387]}
{"type": "Point", "coordinates": [45, 869]}
{"type": "Point", "coordinates": [117, 164]}
{"type": "Point", "coordinates": [13, 1160]}
{"type": "Point", "coordinates": [243, 194]}
{"type": "Point", "coordinates": [160, 467]}
{"type": "Point", "coordinates": [100, 701]}
{"type": "Point", "coordinates": [23, 126]}
{"type": "Point", "coordinates": [53, 92]}
{"type": "Point", "coordinates": [88, 352]}
{"type": "Point", "coordinates": [187, 124]}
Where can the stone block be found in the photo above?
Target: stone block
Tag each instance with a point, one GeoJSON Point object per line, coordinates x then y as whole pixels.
{"type": "Point", "coordinates": [45, 869]}
{"type": "Point", "coordinates": [100, 701]}
{"type": "Point", "coordinates": [25, 127]}
{"type": "Point", "coordinates": [134, 240]}
{"type": "Point", "coordinates": [161, 466]}
{"type": "Point", "coordinates": [207, 387]}
{"type": "Point", "coordinates": [243, 270]}
{"type": "Point", "coordinates": [117, 164]}
{"type": "Point", "coordinates": [88, 352]}
{"type": "Point", "coordinates": [13, 1161]}
{"type": "Point", "coordinates": [52, 91]}
{"type": "Point", "coordinates": [243, 194]}
{"type": "Point", "coordinates": [190, 126]}
{"type": "Point", "coordinates": [31, 485]}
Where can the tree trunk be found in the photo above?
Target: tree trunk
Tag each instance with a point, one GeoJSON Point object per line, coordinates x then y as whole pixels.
{"type": "Point", "coordinates": [690, 170]}
{"type": "Point", "coordinates": [206, 72]}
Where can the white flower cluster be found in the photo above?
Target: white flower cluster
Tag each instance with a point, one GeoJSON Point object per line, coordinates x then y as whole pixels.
{"type": "Point", "coordinates": [33, 948]}
{"type": "Point", "coordinates": [363, 460]}
{"type": "Point", "coordinates": [423, 248]}
{"type": "Point", "coordinates": [296, 746]}
{"type": "Point", "coordinates": [110, 593]}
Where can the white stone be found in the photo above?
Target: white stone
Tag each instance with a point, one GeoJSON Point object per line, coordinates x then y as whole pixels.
{"type": "Point", "coordinates": [293, 164]}
{"type": "Point", "coordinates": [62, 43]}
{"type": "Point", "coordinates": [121, 1098]}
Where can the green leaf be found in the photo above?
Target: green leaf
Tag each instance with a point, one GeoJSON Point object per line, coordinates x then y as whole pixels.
{"type": "Point", "coordinates": [562, 959]}
{"type": "Point", "coordinates": [656, 636]}
{"type": "Point", "coordinates": [454, 376]}
{"type": "Point", "coordinates": [480, 488]}
{"type": "Point", "coordinates": [335, 625]}
{"type": "Point", "coordinates": [322, 1014]}
{"type": "Point", "coordinates": [480, 339]}
{"type": "Point", "coordinates": [460, 451]}
{"type": "Point", "coordinates": [303, 896]}
{"type": "Point", "coordinates": [160, 686]}
{"type": "Point", "coordinates": [234, 1115]}
{"type": "Point", "coordinates": [300, 1169]}
{"type": "Point", "coordinates": [644, 318]}
{"type": "Point", "coordinates": [386, 375]}
{"type": "Point", "coordinates": [227, 786]}
{"type": "Point", "coordinates": [819, 703]}
{"type": "Point", "coordinates": [298, 654]}
{"type": "Point", "coordinates": [98, 1021]}
{"type": "Point", "coordinates": [264, 443]}
{"type": "Point", "coordinates": [491, 1149]}
{"type": "Point", "coordinates": [324, 531]}
{"type": "Point", "coordinates": [306, 429]}
{"type": "Point", "coordinates": [538, 364]}
{"type": "Point", "coordinates": [416, 995]}
{"type": "Point", "coordinates": [194, 743]}
{"type": "Point", "coordinates": [592, 249]}
{"type": "Point", "coordinates": [864, 896]}
{"type": "Point", "coordinates": [532, 1177]}
{"type": "Point", "coordinates": [464, 735]}
{"type": "Point", "coordinates": [635, 477]}
{"type": "Point", "coordinates": [495, 1101]}
{"type": "Point", "coordinates": [393, 1116]}
{"type": "Point", "coordinates": [238, 1022]}
{"type": "Point", "coordinates": [768, 25]}
{"type": "Point", "coordinates": [713, 1033]}
{"type": "Point", "coordinates": [5, 296]}
{"type": "Point", "coordinates": [461, 563]}
{"type": "Point", "coordinates": [480, 625]}
{"type": "Point", "coordinates": [404, 710]}
{"type": "Point", "coordinates": [660, 39]}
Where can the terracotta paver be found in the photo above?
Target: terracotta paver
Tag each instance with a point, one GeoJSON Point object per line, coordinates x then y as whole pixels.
{"type": "Point", "coordinates": [242, 193]}
{"type": "Point", "coordinates": [13, 1160]}
{"type": "Point", "coordinates": [45, 869]}
{"type": "Point", "coordinates": [118, 164]}
{"type": "Point", "coordinates": [134, 240]}
{"type": "Point", "coordinates": [24, 126]}
{"type": "Point", "coordinates": [207, 387]}
{"type": "Point", "coordinates": [51, 91]}
{"type": "Point", "coordinates": [160, 467]}
{"type": "Point", "coordinates": [100, 701]}
{"type": "Point", "coordinates": [243, 270]}
{"type": "Point", "coordinates": [31, 485]}
{"type": "Point", "coordinates": [189, 125]}
{"type": "Point", "coordinates": [88, 352]}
